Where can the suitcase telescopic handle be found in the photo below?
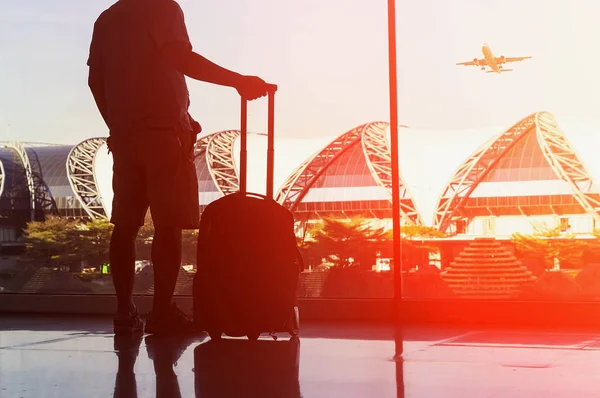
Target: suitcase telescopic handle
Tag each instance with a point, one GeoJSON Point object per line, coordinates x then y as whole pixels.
{"type": "Point", "coordinates": [272, 88]}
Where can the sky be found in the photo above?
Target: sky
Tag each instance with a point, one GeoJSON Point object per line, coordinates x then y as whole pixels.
{"type": "Point", "coordinates": [329, 59]}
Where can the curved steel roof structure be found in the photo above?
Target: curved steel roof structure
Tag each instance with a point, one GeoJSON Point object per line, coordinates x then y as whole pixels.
{"type": "Point", "coordinates": [372, 140]}
{"type": "Point", "coordinates": [337, 171]}
{"type": "Point", "coordinates": [42, 182]}
{"type": "Point", "coordinates": [82, 176]}
{"type": "Point", "coordinates": [556, 149]}
{"type": "Point", "coordinates": [216, 152]}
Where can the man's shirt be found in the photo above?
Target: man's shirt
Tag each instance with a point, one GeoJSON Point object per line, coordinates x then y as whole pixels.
{"type": "Point", "coordinates": [143, 92]}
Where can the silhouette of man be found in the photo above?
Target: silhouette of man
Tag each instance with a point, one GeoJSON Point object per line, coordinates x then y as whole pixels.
{"type": "Point", "coordinates": [139, 56]}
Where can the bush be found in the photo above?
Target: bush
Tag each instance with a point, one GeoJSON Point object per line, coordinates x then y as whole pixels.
{"type": "Point", "coordinates": [7, 274]}
{"type": "Point", "coordinates": [552, 286]}
{"type": "Point", "coordinates": [535, 264]}
{"type": "Point", "coordinates": [352, 282]}
{"type": "Point", "coordinates": [589, 281]}
{"type": "Point", "coordinates": [427, 282]}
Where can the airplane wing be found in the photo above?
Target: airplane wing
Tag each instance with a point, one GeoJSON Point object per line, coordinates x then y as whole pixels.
{"type": "Point", "coordinates": [475, 62]}
{"type": "Point", "coordinates": [503, 60]}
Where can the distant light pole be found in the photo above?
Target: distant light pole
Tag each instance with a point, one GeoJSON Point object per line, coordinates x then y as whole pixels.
{"type": "Point", "coordinates": [394, 141]}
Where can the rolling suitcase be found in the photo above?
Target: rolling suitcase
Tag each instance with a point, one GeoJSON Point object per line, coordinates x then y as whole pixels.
{"type": "Point", "coordinates": [248, 258]}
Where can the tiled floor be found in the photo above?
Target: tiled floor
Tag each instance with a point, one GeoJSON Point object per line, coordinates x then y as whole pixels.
{"type": "Point", "coordinates": [77, 357]}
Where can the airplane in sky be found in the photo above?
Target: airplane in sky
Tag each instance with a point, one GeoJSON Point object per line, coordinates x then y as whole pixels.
{"type": "Point", "coordinates": [495, 63]}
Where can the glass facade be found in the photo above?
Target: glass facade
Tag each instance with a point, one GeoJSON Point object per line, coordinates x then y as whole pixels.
{"type": "Point", "coordinates": [524, 162]}
{"type": "Point", "coordinates": [350, 170]}
{"type": "Point", "coordinates": [506, 195]}
{"type": "Point", "coordinates": [49, 166]}
{"type": "Point", "coordinates": [15, 199]}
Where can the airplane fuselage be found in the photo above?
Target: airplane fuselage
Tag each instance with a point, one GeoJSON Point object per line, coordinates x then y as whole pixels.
{"type": "Point", "coordinates": [490, 59]}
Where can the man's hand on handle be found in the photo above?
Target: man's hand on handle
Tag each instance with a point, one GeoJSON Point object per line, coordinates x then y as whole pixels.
{"type": "Point", "coordinates": [253, 87]}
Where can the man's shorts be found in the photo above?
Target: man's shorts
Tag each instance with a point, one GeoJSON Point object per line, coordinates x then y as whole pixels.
{"type": "Point", "coordinates": [156, 170]}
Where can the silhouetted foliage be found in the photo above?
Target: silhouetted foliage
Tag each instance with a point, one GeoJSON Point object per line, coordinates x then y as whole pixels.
{"type": "Point", "coordinates": [63, 242]}
{"type": "Point", "coordinates": [589, 281]}
{"type": "Point", "coordinates": [552, 286]}
{"type": "Point", "coordinates": [546, 244]}
{"type": "Point", "coordinates": [189, 242]}
{"type": "Point", "coordinates": [339, 241]}
{"type": "Point", "coordinates": [352, 282]}
{"type": "Point", "coordinates": [535, 263]}
{"type": "Point", "coordinates": [426, 282]}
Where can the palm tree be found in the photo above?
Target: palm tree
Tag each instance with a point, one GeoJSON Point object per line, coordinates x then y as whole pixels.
{"type": "Point", "coordinates": [345, 243]}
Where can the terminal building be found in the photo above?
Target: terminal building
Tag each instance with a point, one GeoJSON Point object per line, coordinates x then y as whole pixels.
{"type": "Point", "coordinates": [493, 181]}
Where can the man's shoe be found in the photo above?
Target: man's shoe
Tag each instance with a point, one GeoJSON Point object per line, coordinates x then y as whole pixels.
{"type": "Point", "coordinates": [126, 324]}
{"type": "Point", "coordinates": [172, 322]}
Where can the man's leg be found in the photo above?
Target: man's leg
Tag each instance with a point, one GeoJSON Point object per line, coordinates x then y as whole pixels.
{"type": "Point", "coordinates": [122, 264]}
{"type": "Point", "coordinates": [173, 197]}
{"type": "Point", "coordinates": [166, 258]}
{"type": "Point", "coordinates": [130, 204]}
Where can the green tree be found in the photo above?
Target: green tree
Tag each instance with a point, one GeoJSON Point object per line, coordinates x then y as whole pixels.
{"type": "Point", "coordinates": [63, 242]}
{"type": "Point", "coordinates": [56, 241]}
{"type": "Point", "coordinates": [143, 242]}
{"type": "Point", "coordinates": [95, 241]}
{"type": "Point", "coordinates": [417, 244]}
{"type": "Point", "coordinates": [546, 244]}
{"type": "Point", "coordinates": [415, 232]}
{"type": "Point", "coordinates": [338, 241]}
{"type": "Point", "coordinates": [189, 245]}
{"type": "Point", "coordinates": [145, 236]}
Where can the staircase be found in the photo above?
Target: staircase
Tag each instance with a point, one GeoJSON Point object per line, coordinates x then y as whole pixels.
{"type": "Point", "coordinates": [311, 283]}
{"type": "Point", "coordinates": [182, 286]}
{"type": "Point", "coordinates": [185, 282]}
{"type": "Point", "coordinates": [485, 269]}
{"type": "Point", "coordinates": [37, 281]}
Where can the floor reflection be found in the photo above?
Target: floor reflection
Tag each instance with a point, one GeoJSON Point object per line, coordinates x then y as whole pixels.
{"type": "Point", "coordinates": [127, 349]}
{"type": "Point", "coordinates": [245, 368]}
{"type": "Point", "coordinates": [61, 358]}
{"type": "Point", "coordinates": [225, 368]}
{"type": "Point", "coordinates": [164, 352]}
{"type": "Point", "coordinates": [399, 360]}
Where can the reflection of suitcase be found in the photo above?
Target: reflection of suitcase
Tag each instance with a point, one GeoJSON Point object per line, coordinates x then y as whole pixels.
{"type": "Point", "coordinates": [241, 368]}
{"type": "Point", "coordinates": [248, 259]}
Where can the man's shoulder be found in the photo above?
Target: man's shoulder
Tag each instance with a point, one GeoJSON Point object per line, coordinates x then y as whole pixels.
{"type": "Point", "coordinates": [106, 15]}
{"type": "Point", "coordinates": [169, 6]}
{"type": "Point", "coordinates": [163, 8]}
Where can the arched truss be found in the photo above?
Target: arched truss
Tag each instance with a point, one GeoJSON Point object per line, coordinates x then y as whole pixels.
{"type": "Point", "coordinates": [43, 197]}
{"type": "Point", "coordinates": [372, 138]}
{"type": "Point", "coordinates": [217, 151]}
{"type": "Point", "coordinates": [556, 149]}
{"type": "Point", "coordinates": [221, 161]}
{"type": "Point", "coordinates": [200, 147]}
{"type": "Point", "coordinates": [379, 159]}
{"type": "Point", "coordinates": [22, 154]}
{"type": "Point", "coordinates": [564, 160]}
{"type": "Point", "coordinates": [2, 178]}
{"type": "Point", "coordinates": [297, 185]}
{"type": "Point", "coordinates": [80, 170]}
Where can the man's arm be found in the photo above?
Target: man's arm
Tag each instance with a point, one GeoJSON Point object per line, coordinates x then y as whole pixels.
{"type": "Point", "coordinates": [171, 36]}
{"type": "Point", "coordinates": [198, 67]}
{"type": "Point", "coordinates": [95, 75]}
{"type": "Point", "coordinates": [96, 84]}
